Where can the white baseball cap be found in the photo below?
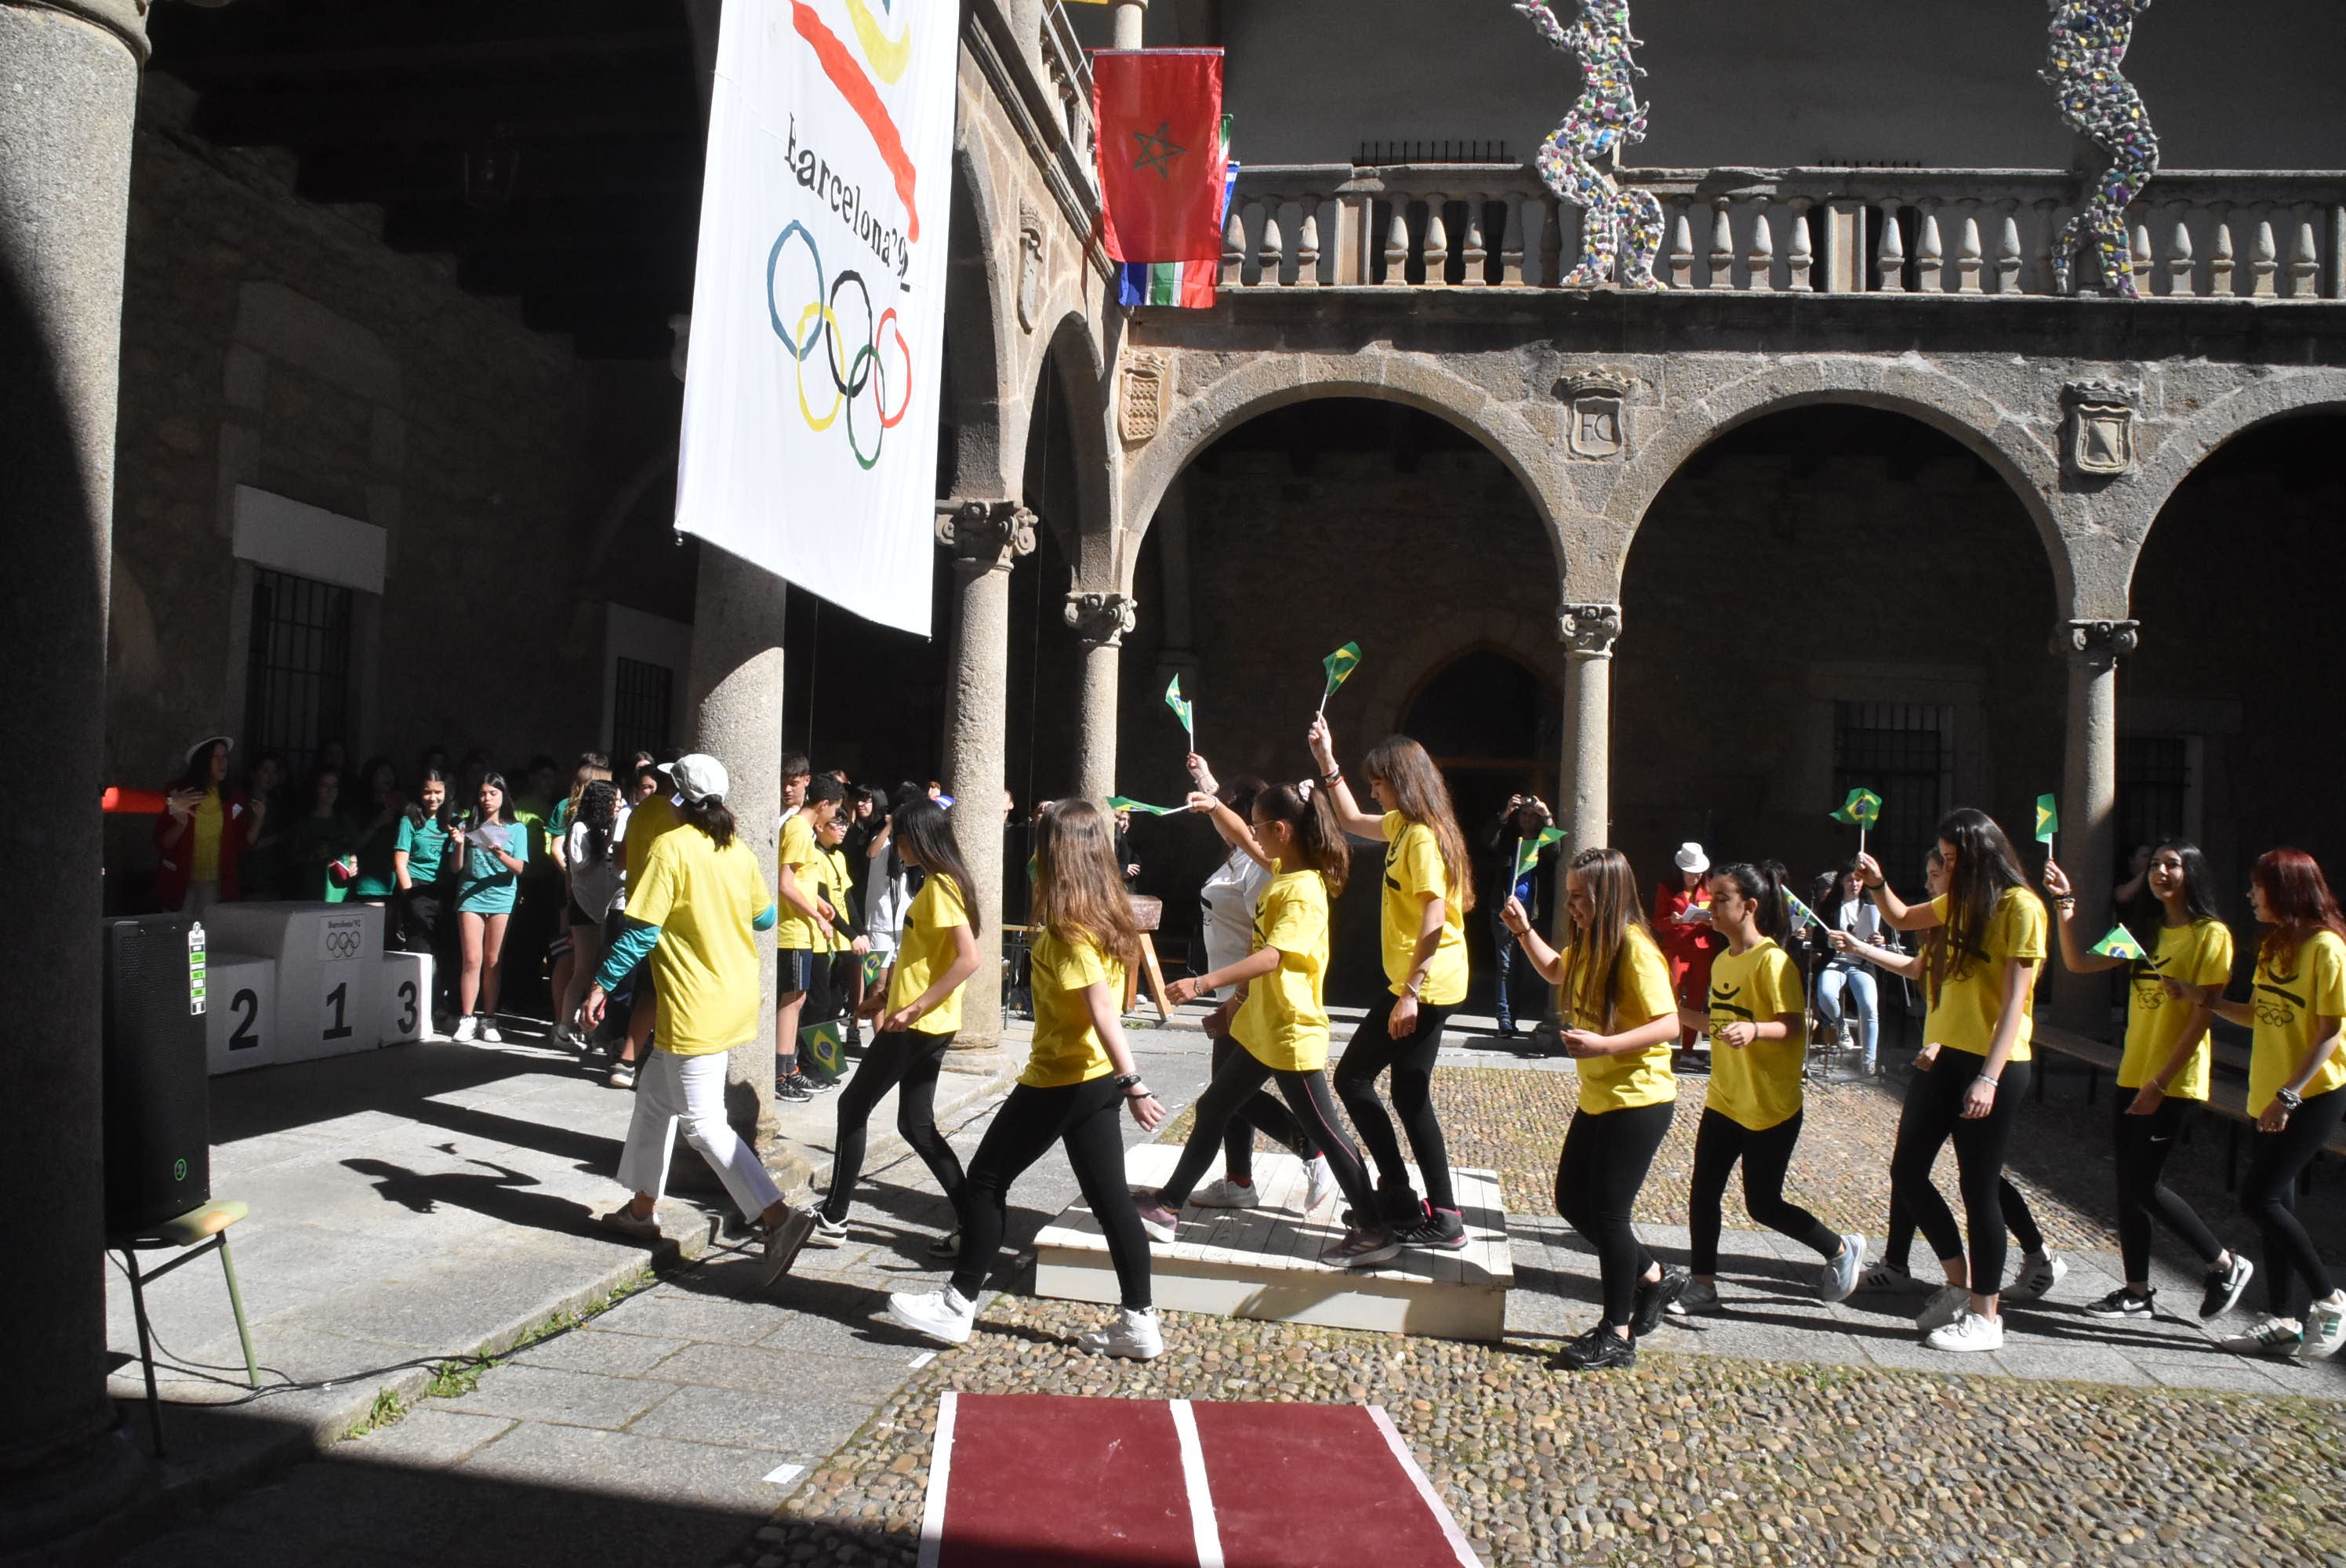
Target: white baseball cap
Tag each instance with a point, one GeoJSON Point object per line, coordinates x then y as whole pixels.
{"type": "Point", "coordinates": [699, 777]}
{"type": "Point", "coordinates": [1692, 859]}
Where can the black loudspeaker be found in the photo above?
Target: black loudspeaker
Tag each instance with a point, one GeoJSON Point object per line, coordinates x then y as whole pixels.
{"type": "Point", "coordinates": [157, 1086]}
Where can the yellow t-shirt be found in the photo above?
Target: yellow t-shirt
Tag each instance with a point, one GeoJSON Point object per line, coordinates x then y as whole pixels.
{"type": "Point", "coordinates": [1283, 1024]}
{"type": "Point", "coordinates": [926, 950]}
{"type": "Point", "coordinates": [799, 854]}
{"type": "Point", "coordinates": [1758, 1086]}
{"type": "Point", "coordinates": [1413, 869]}
{"type": "Point", "coordinates": [1963, 1018]}
{"type": "Point", "coordinates": [646, 824]}
{"type": "Point", "coordinates": [703, 899]}
{"type": "Point", "coordinates": [831, 883]}
{"type": "Point", "coordinates": [1641, 993]}
{"type": "Point", "coordinates": [1067, 1049]}
{"type": "Point", "coordinates": [203, 860]}
{"type": "Point", "coordinates": [2199, 954]}
{"type": "Point", "coordinates": [2285, 1007]}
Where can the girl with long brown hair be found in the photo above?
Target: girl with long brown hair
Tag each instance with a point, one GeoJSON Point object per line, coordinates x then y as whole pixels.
{"type": "Point", "coordinates": [1428, 888]}
{"type": "Point", "coordinates": [1079, 1072]}
{"type": "Point", "coordinates": [2297, 1092]}
{"type": "Point", "coordinates": [1281, 1017]}
{"type": "Point", "coordinates": [1981, 986]}
{"type": "Point", "coordinates": [1620, 1017]}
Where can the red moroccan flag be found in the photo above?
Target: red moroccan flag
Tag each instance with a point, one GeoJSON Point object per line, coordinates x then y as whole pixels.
{"type": "Point", "coordinates": [1159, 114]}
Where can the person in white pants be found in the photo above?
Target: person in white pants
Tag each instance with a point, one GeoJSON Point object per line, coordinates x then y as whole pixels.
{"type": "Point", "coordinates": [697, 907]}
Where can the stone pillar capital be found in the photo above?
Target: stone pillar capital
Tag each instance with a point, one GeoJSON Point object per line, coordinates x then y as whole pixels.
{"type": "Point", "coordinates": [2096, 640]}
{"type": "Point", "coordinates": [985, 536]}
{"type": "Point", "coordinates": [1589, 631]}
{"type": "Point", "coordinates": [1101, 620]}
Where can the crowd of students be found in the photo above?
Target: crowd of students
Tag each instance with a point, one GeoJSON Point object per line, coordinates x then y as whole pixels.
{"type": "Point", "coordinates": [663, 899]}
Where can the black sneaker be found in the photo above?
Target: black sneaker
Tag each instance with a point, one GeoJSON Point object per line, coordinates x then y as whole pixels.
{"type": "Point", "coordinates": [1598, 1351]}
{"type": "Point", "coordinates": [817, 1083]}
{"type": "Point", "coordinates": [1443, 1230]}
{"type": "Point", "coordinates": [791, 1091]}
{"type": "Point", "coordinates": [2224, 1288]}
{"type": "Point", "coordinates": [1654, 1298]}
{"type": "Point", "coordinates": [2122, 1303]}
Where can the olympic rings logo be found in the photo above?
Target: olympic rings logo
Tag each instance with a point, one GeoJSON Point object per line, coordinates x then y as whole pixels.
{"type": "Point", "coordinates": [839, 314]}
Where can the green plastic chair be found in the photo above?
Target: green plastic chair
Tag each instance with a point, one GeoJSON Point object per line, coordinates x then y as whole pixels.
{"type": "Point", "coordinates": [197, 1232]}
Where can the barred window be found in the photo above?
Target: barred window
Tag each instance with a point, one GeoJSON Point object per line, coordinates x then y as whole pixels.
{"type": "Point", "coordinates": [298, 675]}
{"type": "Point", "coordinates": [1903, 753]}
{"type": "Point", "coordinates": [641, 707]}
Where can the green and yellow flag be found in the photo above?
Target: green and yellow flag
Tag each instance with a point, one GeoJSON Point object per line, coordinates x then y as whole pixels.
{"type": "Point", "coordinates": [1126, 803]}
{"type": "Point", "coordinates": [1802, 913]}
{"type": "Point", "coordinates": [1339, 665]}
{"type": "Point", "coordinates": [1528, 850]}
{"type": "Point", "coordinates": [1181, 710]}
{"type": "Point", "coordinates": [876, 964]}
{"type": "Point", "coordinates": [1861, 809]}
{"type": "Point", "coordinates": [2049, 821]}
{"type": "Point", "coordinates": [821, 1045]}
{"type": "Point", "coordinates": [2120, 943]}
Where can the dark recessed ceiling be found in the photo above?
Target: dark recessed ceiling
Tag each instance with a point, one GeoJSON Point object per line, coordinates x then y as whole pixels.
{"type": "Point", "coordinates": [554, 148]}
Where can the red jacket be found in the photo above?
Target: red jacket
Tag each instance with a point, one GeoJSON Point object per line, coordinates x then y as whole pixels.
{"type": "Point", "coordinates": [172, 861]}
{"type": "Point", "coordinates": [1686, 943]}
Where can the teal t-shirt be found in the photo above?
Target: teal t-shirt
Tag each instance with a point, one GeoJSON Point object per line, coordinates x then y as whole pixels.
{"type": "Point", "coordinates": [316, 842]}
{"type": "Point", "coordinates": [377, 878]}
{"type": "Point", "coordinates": [426, 846]}
{"type": "Point", "coordinates": [484, 886]}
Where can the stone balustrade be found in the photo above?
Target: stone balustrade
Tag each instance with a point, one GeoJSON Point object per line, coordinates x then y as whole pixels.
{"type": "Point", "coordinates": [1069, 72]}
{"type": "Point", "coordinates": [2265, 236]}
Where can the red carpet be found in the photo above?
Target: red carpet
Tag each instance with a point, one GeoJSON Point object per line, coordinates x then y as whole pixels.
{"type": "Point", "coordinates": [1045, 1481]}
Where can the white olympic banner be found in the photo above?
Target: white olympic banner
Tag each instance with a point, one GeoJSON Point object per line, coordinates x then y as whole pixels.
{"type": "Point", "coordinates": [818, 314]}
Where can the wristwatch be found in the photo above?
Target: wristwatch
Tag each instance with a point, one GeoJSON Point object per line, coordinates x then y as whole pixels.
{"type": "Point", "coordinates": [1128, 1082]}
{"type": "Point", "coordinates": [2289, 1098]}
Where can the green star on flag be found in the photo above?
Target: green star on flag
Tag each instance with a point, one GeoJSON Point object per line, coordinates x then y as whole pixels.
{"type": "Point", "coordinates": [1126, 803]}
{"type": "Point", "coordinates": [1528, 850]}
{"type": "Point", "coordinates": [2120, 943]}
{"type": "Point", "coordinates": [1861, 809]}
{"type": "Point", "coordinates": [2049, 821]}
{"type": "Point", "coordinates": [1339, 665]}
{"type": "Point", "coordinates": [1181, 710]}
{"type": "Point", "coordinates": [821, 1044]}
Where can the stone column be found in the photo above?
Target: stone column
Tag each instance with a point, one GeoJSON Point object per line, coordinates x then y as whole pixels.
{"type": "Point", "coordinates": [1131, 16]}
{"type": "Point", "coordinates": [1588, 632]}
{"type": "Point", "coordinates": [68, 91]}
{"type": "Point", "coordinates": [736, 700]}
{"type": "Point", "coordinates": [1100, 621]}
{"type": "Point", "coordinates": [985, 537]}
{"type": "Point", "coordinates": [2086, 844]}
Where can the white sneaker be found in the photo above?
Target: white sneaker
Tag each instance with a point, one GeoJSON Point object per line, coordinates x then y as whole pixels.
{"type": "Point", "coordinates": [1886, 1277]}
{"type": "Point", "coordinates": [2267, 1336]}
{"type": "Point", "coordinates": [1323, 1189]}
{"type": "Point", "coordinates": [2325, 1328]}
{"type": "Point", "coordinates": [942, 1315]}
{"type": "Point", "coordinates": [1224, 1193]}
{"type": "Point", "coordinates": [1837, 1276]}
{"type": "Point", "coordinates": [489, 1036]}
{"type": "Point", "coordinates": [1946, 1303]}
{"type": "Point", "coordinates": [827, 1232]}
{"type": "Point", "coordinates": [1134, 1335]}
{"type": "Point", "coordinates": [1970, 1331]}
{"type": "Point", "coordinates": [467, 1028]}
{"type": "Point", "coordinates": [1700, 1298]}
{"type": "Point", "coordinates": [1156, 1221]}
{"type": "Point", "coordinates": [2039, 1272]}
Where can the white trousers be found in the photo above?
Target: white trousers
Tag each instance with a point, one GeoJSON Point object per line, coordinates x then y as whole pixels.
{"type": "Point", "coordinates": [669, 1088]}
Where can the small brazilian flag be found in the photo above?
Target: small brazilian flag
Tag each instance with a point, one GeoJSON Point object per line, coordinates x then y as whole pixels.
{"type": "Point", "coordinates": [1126, 803]}
{"type": "Point", "coordinates": [1339, 664]}
{"type": "Point", "coordinates": [1861, 809]}
{"type": "Point", "coordinates": [2120, 943]}
{"type": "Point", "coordinates": [1181, 707]}
{"type": "Point", "coordinates": [821, 1044]}
{"type": "Point", "coordinates": [1802, 913]}
{"type": "Point", "coordinates": [1528, 850]}
{"type": "Point", "coordinates": [2049, 819]}
{"type": "Point", "coordinates": [874, 966]}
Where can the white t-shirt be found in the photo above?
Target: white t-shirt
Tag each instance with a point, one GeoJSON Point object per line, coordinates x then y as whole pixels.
{"type": "Point", "coordinates": [596, 887]}
{"type": "Point", "coordinates": [1230, 896]}
{"type": "Point", "coordinates": [885, 900]}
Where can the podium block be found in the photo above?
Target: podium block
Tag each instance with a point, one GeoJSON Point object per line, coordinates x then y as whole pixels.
{"type": "Point", "coordinates": [406, 992]}
{"type": "Point", "coordinates": [241, 1013]}
{"type": "Point", "coordinates": [329, 960]}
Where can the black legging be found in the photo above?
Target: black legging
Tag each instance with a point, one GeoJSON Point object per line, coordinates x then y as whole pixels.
{"type": "Point", "coordinates": [1262, 1113]}
{"type": "Point", "coordinates": [2269, 1197]}
{"type": "Point", "coordinates": [907, 1062]}
{"type": "Point", "coordinates": [1766, 1155]}
{"type": "Point", "coordinates": [1898, 1240]}
{"type": "Point", "coordinates": [1606, 1156]}
{"type": "Point", "coordinates": [1411, 1057]}
{"type": "Point", "coordinates": [1935, 1106]}
{"type": "Point", "coordinates": [1237, 1085]}
{"type": "Point", "coordinates": [2142, 1144]}
{"type": "Point", "coordinates": [1082, 1117]}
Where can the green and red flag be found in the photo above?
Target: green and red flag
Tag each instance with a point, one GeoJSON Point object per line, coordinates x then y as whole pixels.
{"type": "Point", "coordinates": [1160, 154]}
{"type": "Point", "coordinates": [1188, 285]}
{"type": "Point", "coordinates": [2120, 943]}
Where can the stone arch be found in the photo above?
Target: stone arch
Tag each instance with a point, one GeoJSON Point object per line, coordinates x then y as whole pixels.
{"type": "Point", "coordinates": [1270, 381]}
{"type": "Point", "coordinates": [1070, 356]}
{"type": "Point", "coordinates": [2183, 450]}
{"type": "Point", "coordinates": [979, 329]}
{"type": "Point", "coordinates": [1396, 678]}
{"type": "Point", "coordinates": [2016, 452]}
